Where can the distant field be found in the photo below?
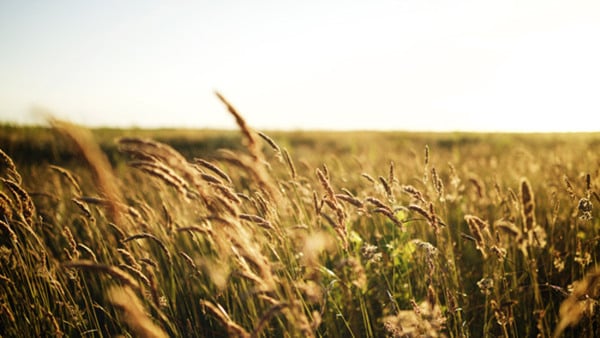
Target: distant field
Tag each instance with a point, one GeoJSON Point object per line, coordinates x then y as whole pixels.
{"type": "Point", "coordinates": [203, 233]}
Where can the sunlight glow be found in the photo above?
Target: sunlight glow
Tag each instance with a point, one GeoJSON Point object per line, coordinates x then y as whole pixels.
{"type": "Point", "coordinates": [387, 65]}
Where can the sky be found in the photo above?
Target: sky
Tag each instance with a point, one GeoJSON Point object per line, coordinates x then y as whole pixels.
{"type": "Point", "coordinates": [428, 65]}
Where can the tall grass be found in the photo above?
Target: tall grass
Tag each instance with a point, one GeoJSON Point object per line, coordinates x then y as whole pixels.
{"type": "Point", "coordinates": [299, 236]}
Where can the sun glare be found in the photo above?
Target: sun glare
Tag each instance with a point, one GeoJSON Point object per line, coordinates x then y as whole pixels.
{"type": "Point", "coordinates": [515, 66]}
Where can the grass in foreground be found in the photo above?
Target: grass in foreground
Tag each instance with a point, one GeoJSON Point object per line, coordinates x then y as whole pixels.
{"type": "Point", "coordinates": [296, 235]}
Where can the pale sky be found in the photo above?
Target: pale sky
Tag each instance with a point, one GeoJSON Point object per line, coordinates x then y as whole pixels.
{"type": "Point", "coordinates": [456, 65]}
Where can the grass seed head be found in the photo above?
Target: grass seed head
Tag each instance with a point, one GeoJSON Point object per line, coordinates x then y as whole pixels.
{"type": "Point", "coordinates": [581, 302]}
{"type": "Point", "coordinates": [134, 313]}
{"type": "Point", "coordinates": [527, 205]}
{"type": "Point", "coordinates": [290, 163]}
{"type": "Point", "coordinates": [480, 231]}
{"type": "Point", "coordinates": [27, 208]}
{"type": "Point", "coordinates": [101, 169]}
{"type": "Point", "coordinates": [7, 166]}
{"type": "Point", "coordinates": [249, 134]}
{"type": "Point", "coordinates": [271, 143]}
{"type": "Point", "coordinates": [387, 188]}
{"type": "Point", "coordinates": [70, 178]}
{"type": "Point", "coordinates": [218, 171]}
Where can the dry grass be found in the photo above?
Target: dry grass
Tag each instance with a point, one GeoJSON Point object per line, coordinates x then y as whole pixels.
{"type": "Point", "coordinates": [134, 313]}
{"type": "Point", "coordinates": [402, 235]}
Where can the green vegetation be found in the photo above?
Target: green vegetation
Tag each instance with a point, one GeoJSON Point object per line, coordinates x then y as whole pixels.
{"type": "Point", "coordinates": [363, 234]}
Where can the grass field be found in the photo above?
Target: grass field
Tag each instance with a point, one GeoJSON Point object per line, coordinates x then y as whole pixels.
{"type": "Point", "coordinates": [187, 233]}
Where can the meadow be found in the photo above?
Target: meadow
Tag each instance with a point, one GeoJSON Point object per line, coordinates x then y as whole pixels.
{"type": "Point", "coordinates": [204, 233]}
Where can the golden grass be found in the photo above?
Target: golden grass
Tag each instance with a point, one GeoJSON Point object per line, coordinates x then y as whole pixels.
{"type": "Point", "coordinates": [134, 314]}
{"type": "Point", "coordinates": [302, 234]}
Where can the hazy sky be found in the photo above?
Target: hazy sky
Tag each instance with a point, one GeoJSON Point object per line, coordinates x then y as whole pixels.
{"type": "Point", "coordinates": [522, 65]}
